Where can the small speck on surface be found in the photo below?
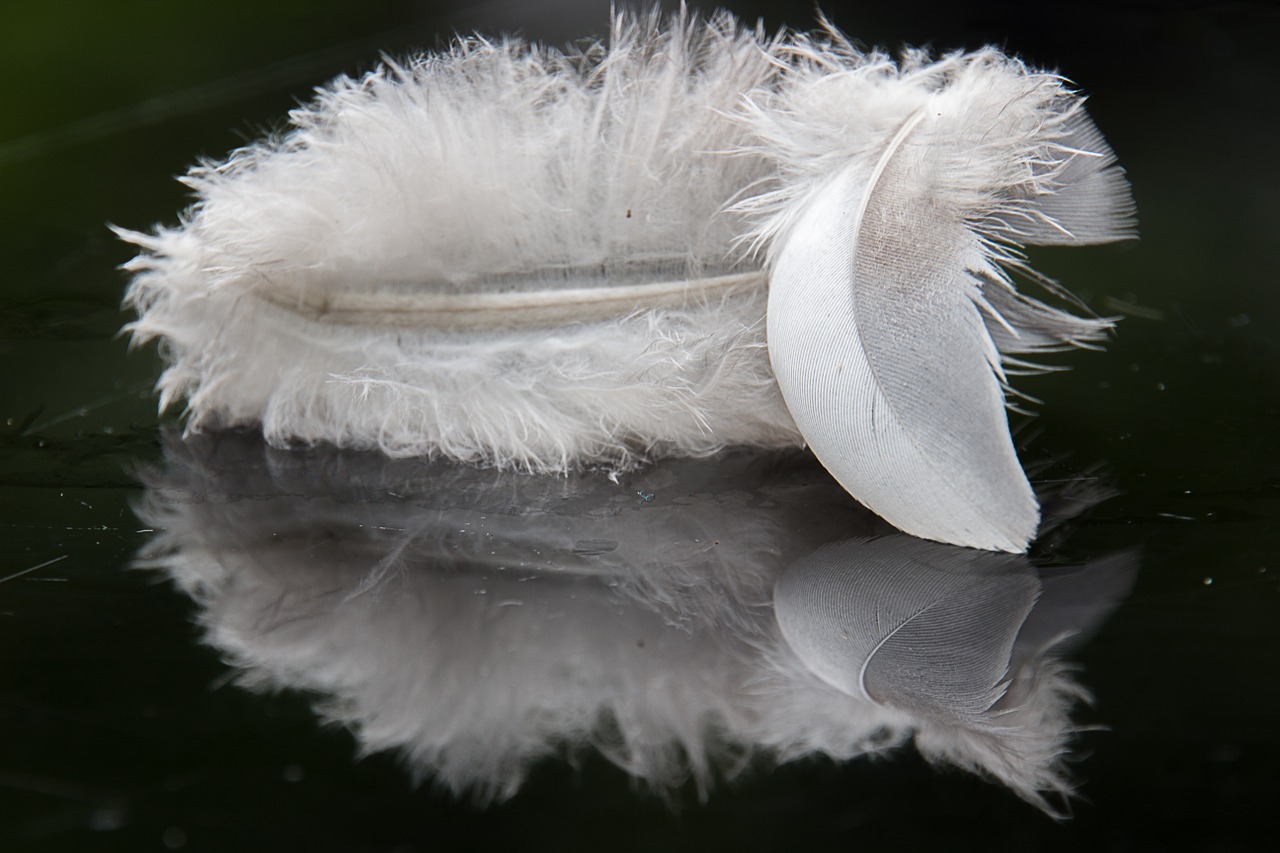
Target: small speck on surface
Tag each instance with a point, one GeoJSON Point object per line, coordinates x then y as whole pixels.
{"type": "Point", "coordinates": [107, 819]}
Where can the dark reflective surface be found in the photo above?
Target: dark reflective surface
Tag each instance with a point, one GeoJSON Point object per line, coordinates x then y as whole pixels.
{"type": "Point", "coordinates": [682, 620]}
{"type": "Point", "coordinates": [121, 729]}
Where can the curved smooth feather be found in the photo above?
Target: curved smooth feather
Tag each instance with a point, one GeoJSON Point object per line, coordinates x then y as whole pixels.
{"type": "Point", "coordinates": [904, 193]}
{"type": "Point", "coordinates": [885, 361]}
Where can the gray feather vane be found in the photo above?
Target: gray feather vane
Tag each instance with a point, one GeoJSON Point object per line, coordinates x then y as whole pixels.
{"type": "Point", "coordinates": [693, 237]}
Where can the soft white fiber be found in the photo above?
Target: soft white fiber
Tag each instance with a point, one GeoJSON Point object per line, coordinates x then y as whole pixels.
{"type": "Point", "coordinates": [534, 259]}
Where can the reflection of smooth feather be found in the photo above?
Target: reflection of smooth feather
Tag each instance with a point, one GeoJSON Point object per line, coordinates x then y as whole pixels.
{"type": "Point", "coordinates": [508, 255]}
{"type": "Point", "coordinates": [961, 641]}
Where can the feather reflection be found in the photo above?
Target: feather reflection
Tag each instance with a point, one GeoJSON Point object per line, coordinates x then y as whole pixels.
{"type": "Point", "coordinates": [681, 619]}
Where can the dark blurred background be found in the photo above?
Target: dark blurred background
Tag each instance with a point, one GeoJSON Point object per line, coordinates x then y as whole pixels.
{"type": "Point", "coordinates": [115, 730]}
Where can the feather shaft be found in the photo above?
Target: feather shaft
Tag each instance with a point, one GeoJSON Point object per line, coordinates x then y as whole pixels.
{"type": "Point", "coordinates": [412, 307]}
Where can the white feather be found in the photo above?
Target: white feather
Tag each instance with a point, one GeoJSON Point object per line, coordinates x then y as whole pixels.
{"type": "Point", "coordinates": [366, 279]}
{"type": "Point", "coordinates": [899, 190]}
{"type": "Point", "coordinates": [510, 255]}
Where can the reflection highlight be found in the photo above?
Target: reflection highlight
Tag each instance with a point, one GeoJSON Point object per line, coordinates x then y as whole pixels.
{"type": "Point", "coordinates": [684, 620]}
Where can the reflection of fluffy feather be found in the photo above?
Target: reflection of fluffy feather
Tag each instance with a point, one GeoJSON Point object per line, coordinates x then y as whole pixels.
{"type": "Point", "coordinates": [491, 638]}
{"type": "Point", "coordinates": [509, 255]}
{"type": "Point", "coordinates": [478, 621]}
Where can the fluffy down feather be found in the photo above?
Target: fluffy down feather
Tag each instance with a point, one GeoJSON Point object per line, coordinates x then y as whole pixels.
{"type": "Point", "coordinates": [516, 256]}
{"type": "Point", "coordinates": [450, 187]}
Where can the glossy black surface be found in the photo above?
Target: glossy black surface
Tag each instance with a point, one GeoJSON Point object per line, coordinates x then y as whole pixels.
{"type": "Point", "coordinates": [120, 730]}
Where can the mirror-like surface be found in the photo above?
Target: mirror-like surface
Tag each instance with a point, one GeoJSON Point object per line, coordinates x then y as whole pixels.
{"type": "Point", "coordinates": [681, 619]}
{"type": "Point", "coordinates": [122, 729]}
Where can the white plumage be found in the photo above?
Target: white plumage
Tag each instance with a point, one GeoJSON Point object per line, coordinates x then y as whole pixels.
{"type": "Point", "coordinates": [510, 255]}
